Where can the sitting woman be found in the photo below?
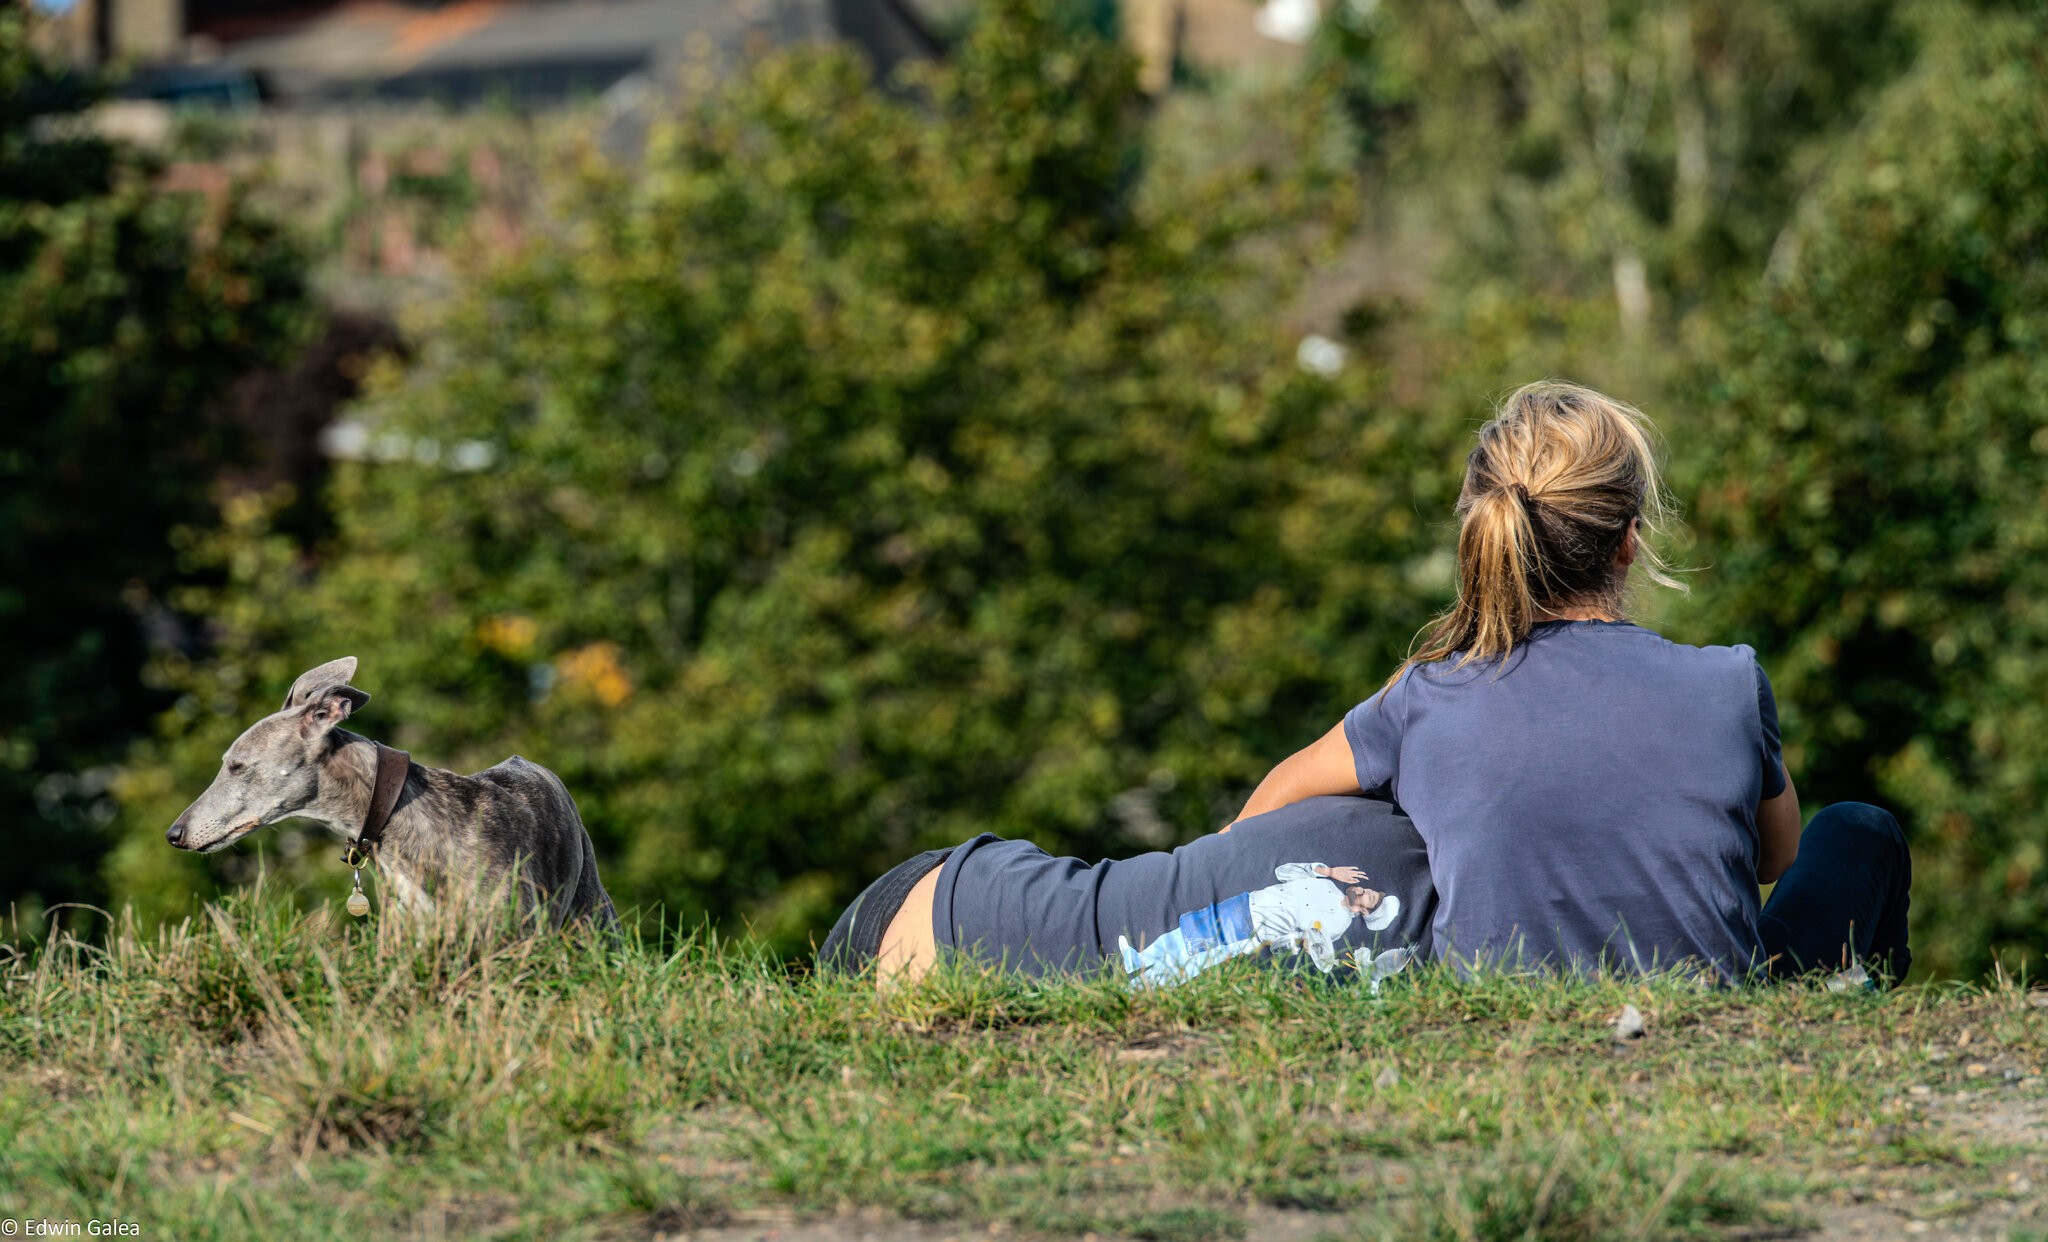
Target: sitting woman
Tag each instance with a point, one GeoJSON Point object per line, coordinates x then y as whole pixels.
{"type": "Point", "coordinates": [1589, 795]}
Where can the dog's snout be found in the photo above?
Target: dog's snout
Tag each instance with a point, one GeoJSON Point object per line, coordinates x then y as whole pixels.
{"type": "Point", "coordinates": [175, 834]}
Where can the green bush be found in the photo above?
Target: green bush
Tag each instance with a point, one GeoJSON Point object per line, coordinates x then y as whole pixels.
{"type": "Point", "coordinates": [865, 471]}
{"type": "Point", "coordinates": [124, 314]}
{"type": "Point", "coordinates": [870, 468]}
{"type": "Point", "coordinates": [1872, 510]}
{"type": "Point", "coordinates": [1641, 153]}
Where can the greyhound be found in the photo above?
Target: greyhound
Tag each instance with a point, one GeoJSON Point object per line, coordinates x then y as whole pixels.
{"type": "Point", "coordinates": [431, 825]}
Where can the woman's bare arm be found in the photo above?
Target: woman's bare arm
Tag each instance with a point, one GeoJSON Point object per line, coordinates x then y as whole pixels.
{"type": "Point", "coordinates": [1324, 766]}
{"type": "Point", "coordinates": [1777, 830]}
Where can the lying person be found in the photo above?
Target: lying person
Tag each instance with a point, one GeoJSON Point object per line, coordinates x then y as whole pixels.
{"type": "Point", "coordinates": [1590, 796]}
{"type": "Point", "coordinates": [1166, 916]}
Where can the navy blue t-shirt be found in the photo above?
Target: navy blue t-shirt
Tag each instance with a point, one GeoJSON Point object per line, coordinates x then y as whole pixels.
{"type": "Point", "coordinates": [1591, 805]}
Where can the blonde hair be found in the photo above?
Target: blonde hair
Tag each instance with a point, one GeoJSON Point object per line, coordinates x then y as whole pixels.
{"type": "Point", "coordinates": [1550, 492]}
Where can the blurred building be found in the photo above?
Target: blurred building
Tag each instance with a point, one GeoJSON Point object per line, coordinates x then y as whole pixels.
{"type": "Point", "coordinates": [98, 31]}
{"type": "Point", "coordinates": [464, 51]}
{"type": "Point", "coordinates": [1199, 36]}
{"type": "Point", "coordinates": [460, 51]}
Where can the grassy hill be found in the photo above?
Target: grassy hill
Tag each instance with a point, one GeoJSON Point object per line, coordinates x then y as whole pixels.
{"type": "Point", "coordinates": [256, 1071]}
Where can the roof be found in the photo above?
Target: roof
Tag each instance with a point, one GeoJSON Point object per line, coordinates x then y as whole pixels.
{"type": "Point", "coordinates": [470, 51]}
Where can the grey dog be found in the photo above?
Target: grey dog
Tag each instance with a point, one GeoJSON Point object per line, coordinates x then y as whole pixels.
{"type": "Point", "coordinates": [513, 818]}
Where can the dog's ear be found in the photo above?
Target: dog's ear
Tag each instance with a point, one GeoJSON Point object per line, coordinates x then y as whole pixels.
{"type": "Point", "coordinates": [313, 680]}
{"type": "Point", "coordinates": [328, 707]}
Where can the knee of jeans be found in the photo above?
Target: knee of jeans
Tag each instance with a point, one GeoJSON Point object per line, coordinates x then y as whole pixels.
{"type": "Point", "coordinates": [1861, 819]}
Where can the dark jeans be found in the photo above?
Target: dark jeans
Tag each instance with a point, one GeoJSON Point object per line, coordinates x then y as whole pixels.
{"type": "Point", "coordinates": [1844, 899]}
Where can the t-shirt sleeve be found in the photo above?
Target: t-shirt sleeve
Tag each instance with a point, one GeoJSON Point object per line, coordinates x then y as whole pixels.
{"type": "Point", "coordinates": [1771, 750]}
{"type": "Point", "coordinates": [1374, 730]}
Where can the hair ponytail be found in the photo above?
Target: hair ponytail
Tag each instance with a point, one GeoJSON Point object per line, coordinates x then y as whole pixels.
{"type": "Point", "coordinates": [1559, 478]}
{"type": "Point", "coordinates": [1497, 560]}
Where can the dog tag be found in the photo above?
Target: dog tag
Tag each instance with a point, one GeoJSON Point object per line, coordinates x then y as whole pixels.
{"type": "Point", "coordinates": [358, 904]}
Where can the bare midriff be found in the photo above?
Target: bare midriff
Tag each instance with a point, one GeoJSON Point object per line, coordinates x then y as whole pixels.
{"type": "Point", "coordinates": [908, 947]}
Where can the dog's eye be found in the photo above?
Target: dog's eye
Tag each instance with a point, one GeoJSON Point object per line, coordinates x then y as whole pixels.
{"type": "Point", "coordinates": [235, 765]}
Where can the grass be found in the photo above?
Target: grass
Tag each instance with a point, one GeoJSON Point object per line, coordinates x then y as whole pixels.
{"type": "Point", "coordinates": [255, 1070]}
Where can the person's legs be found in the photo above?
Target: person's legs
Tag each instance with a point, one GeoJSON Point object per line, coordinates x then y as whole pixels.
{"type": "Point", "coordinates": [1009, 904]}
{"type": "Point", "coordinates": [1844, 899]}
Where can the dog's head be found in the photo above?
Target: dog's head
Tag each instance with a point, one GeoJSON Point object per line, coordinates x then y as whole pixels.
{"type": "Point", "coordinates": [273, 770]}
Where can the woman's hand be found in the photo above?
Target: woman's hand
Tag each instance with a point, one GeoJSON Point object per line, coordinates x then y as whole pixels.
{"type": "Point", "coordinates": [1324, 766]}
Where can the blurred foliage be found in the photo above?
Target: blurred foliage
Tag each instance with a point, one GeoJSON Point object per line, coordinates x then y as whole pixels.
{"type": "Point", "coordinates": [866, 470]}
{"type": "Point", "coordinates": [1642, 150]}
{"type": "Point", "coordinates": [1834, 213]}
{"type": "Point", "coordinates": [868, 467]}
{"type": "Point", "coordinates": [124, 314]}
{"type": "Point", "coordinates": [1873, 505]}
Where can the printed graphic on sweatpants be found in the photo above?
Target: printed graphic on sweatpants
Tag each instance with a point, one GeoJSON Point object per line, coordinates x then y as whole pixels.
{"type": "Point", "coordinates": [1308, 911]}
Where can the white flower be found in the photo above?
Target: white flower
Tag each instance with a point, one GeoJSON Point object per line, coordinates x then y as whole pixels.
{"type": "Point", "coordinates": [1320, 355]}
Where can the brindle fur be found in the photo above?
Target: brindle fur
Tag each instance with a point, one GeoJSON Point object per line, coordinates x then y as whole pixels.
{"type": "Point", "coordinates": [513, 818]}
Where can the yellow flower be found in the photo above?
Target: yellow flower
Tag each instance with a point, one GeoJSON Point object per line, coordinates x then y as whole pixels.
{"type": "Point", "coordinates": [508, 634]}
{"type": "Point", "coordinates": [595, 668]}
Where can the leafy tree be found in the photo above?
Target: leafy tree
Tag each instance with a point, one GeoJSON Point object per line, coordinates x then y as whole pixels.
{"type": "Point", "coordinates": [869, 469]}
{"type": "Point", "coordinates": [1831, 218]}
{"type": "Point", "coordinates": [865, 471]}
{"type": "Point", "coordinates": [124, 313]}
{"type": "Point", "coordinates": [1637, 151]}
{"type": "Point", "coordinates": [1878, 456]}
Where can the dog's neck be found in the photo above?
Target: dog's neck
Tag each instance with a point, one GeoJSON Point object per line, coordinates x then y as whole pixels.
{"type": "Point", "coordinates": [348, 780]}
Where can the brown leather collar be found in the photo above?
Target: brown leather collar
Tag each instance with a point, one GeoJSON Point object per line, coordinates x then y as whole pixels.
{"type": "Point", "coordinates": [393, 766]}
